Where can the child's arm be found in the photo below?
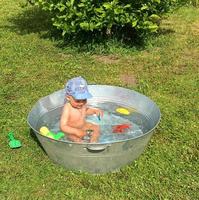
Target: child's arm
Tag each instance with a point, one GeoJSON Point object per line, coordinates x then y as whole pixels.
{"type": "Point", "coordinates": [68, 129]}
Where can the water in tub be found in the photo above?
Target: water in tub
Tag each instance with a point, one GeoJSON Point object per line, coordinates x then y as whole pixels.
{"type": "Point", "coordinates": [138, 122]}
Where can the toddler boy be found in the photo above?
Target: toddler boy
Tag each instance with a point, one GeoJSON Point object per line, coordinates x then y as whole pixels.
{"type": "Point", "coordinates": [73, 119]}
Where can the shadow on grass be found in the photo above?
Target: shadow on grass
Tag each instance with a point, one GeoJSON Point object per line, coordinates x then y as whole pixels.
{"type": "Point", "coordinates": [165, 31]}
{"type": "Point", "coordinates": [103, 42]}
{"type": "Point", "coordinates": [33, 136]}
{"type": "Point", "coordinates": [32, 20]}
{"type": "Point", "coordinates": [35, 20]}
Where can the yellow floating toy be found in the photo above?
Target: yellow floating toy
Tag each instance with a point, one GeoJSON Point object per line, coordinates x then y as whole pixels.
{"type": "Point", "coordinates": [123, 111]}
{"type": "Point", "coordinates": [44, 130]}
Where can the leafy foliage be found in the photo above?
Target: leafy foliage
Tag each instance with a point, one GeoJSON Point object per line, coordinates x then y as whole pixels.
{"type": "Point", "coordinates": [73, 16]}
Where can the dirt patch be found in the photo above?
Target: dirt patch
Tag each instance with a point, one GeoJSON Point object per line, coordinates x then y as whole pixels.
{"type": "Point", "coordinates": [180, 69]}
{"type": "Point", "coordinates": [109, 59]}
{"type": "Point", "coordinates": [63, 56]}
{"type": "Point", "coordinates": [128, 79]}
{"type": "Point", "coordinates": [195, 28]}
{"type": "Point", "coordinates": [190, 54]}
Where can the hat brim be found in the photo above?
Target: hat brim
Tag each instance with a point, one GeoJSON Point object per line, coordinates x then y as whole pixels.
{"type": "Point", "coordinates": [85, 95]}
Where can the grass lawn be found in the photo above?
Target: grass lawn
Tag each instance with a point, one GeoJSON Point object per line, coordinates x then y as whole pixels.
{"type": "Point", "coordinates": [33, 65]}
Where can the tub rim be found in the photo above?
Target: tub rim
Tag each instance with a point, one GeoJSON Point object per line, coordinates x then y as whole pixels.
{"type": "Point", "coordinates": [87, 143]}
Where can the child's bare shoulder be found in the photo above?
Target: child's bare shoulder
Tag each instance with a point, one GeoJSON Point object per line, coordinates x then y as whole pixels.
{"type": "Point", "coordinates": [66, 105]}
{"type": "Point", "coordinates": [66, 108]}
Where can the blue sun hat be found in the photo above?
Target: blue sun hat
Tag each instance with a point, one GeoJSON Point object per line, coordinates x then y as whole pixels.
{"type": "Point", "coordinates": [78, 88]}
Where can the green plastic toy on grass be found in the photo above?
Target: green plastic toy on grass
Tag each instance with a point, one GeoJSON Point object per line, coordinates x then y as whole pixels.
{"type": "Point", "coordinates": [13, 143]}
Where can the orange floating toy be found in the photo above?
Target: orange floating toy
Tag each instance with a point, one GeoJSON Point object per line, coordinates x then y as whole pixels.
{"type": "Point", "coordinates": [121, 128]}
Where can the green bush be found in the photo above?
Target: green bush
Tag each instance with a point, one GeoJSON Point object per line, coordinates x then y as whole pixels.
{"type": "Point", "coordinates": [74, 16]}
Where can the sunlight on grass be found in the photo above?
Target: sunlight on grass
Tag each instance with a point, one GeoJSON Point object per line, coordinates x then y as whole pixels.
{"type": "Point", "coordinates": [33, 64]}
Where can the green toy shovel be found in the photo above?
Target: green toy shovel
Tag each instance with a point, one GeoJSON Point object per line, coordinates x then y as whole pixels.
{"type": "Point", "coordinates": [13, 143]}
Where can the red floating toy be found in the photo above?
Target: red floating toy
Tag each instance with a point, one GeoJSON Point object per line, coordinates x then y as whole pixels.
{"type": "Point", "coordinates": [121, 128]}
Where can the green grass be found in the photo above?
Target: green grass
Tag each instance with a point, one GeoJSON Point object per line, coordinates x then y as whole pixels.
{"type": "Point", "coordinates": [33, 65]}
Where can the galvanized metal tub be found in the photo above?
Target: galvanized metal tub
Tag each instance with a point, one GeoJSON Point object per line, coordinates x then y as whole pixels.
{"type": "Point", "coordinates": [96, 157]}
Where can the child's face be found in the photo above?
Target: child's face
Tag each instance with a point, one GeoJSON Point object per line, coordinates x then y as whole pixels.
{"type": "Point", "coordinates": [76, 103]}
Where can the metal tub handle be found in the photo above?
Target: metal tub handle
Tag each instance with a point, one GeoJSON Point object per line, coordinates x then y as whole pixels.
{"type": "Point", "coordinates": [97, 148]}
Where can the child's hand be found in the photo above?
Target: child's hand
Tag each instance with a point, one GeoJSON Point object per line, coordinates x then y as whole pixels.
{"type": "Point", "coordinates": [95, 111]}
{"type": "Point", "coordinates": [94, 137]}
{"type": "Point", "coordinates": [80, 133]}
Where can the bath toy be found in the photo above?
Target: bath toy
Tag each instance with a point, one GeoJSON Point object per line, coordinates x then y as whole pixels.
{"type": "Point", "coordinates": [13, 143]}
{"type": "Point", "coordinates": [88, 135]}
{"type": "Point", "coordinates": [58, 136]}
{"type": "Point", "coordinates": [121, 128]}
{"type": "Point", "coordinates": [123, 111]}
{"type": "Point", "coordinates": [99, 117]}
{"type": "Point", "coordinates": [46, 132]}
